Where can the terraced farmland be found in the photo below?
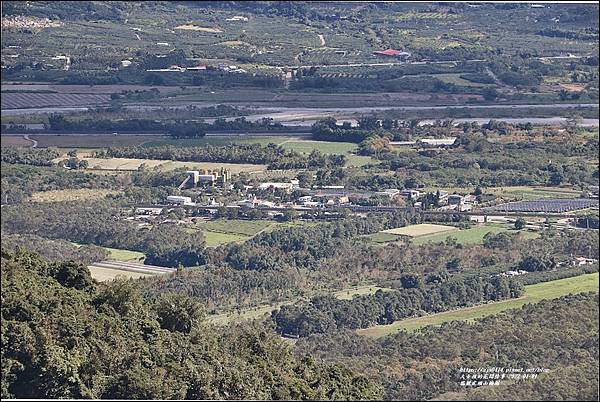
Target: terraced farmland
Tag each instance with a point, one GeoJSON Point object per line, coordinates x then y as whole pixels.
{"type": "Point", "coordinates": [20, 100]}
{"type": "Point", "coordinates": [109, 270]}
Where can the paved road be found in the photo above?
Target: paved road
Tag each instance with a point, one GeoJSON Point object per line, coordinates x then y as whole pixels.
{"type": "Point", "coordinates": [403, 63]}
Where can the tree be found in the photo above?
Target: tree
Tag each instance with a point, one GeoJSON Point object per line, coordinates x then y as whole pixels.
{"type": "Point", "coordinates": [411, 280]}
{"type": "Point", "coordinates": [520, 223]}
{"type": "Point", "coordinates": [178, 313]}
{"type": "Point", "coordinates": [453, 265]}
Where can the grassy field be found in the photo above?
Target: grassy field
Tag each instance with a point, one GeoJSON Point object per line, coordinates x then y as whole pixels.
{"type": "Point", "coordinates": [457, 80]}
{"type": "Point", "coordinates": [70, 195]}
{"type": "Point", "coordinates": [533, 193]}
{"type": "Point", "coordinates": [467, 236]}
{"type": "Point", "coordinates": [235, 226]}
{"type": "Point", "coordinates": [134, 164]}
{"type": "Point", "coordinates": [382, 238]}
{"type": "Point", "coordinates": [252, 313]}
{"type": "Point", "coordinates": [348, 294]}
{"type": "Point", "coordinates": [533, 294]}
{"type": "Point", "coordinates": [125, 255]}
{"type": "Point", "coordinates": [222, 231]}
{"type": "Point", "coordinates": [422, 229]}
{"type": "Point", "coordinates": [307, 146]}
{"type": "Point", "coordinates": [214, 239]}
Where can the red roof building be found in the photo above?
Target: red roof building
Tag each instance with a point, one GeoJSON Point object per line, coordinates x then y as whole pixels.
{"type": "Point", "coordinates": [392, 53]}
{"type": "Point", "coordinates": [388, 52]}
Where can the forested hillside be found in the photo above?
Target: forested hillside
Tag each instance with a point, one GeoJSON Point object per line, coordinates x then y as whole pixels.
{"type": "Point", "coordinates": [65, 337]}
{"type": "Point", "coordinates": [560, 336]}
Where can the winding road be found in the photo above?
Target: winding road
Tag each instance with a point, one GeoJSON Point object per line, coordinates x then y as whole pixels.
{"type": "Point", "coordinates": [34, 143]}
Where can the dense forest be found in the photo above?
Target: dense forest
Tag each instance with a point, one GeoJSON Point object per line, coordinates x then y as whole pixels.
{"type": "Point", "coordinates": [177, 128]}
{"type": "Point", "coordinates": [99, 224]}
{"type": "Point", "coordinates": [272, 155]}
{"type": "Point", "coordinates": [559, 335]}
{"type": "Point", "coordinates": [65, 337]}
{"type": "Point", "coordinates": [326, 314]}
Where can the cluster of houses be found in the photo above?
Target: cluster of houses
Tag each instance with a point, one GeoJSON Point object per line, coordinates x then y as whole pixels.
{"type": "Point", "coordinates": [446, 201]}
{"type": "Point", "coordinates": [315, 197]}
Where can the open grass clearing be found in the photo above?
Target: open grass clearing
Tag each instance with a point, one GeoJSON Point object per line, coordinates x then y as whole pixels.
{"type": "Point", "coordinates": [79, 194]}
{"type": "Point", "coordinates": [307, 146]}
{"type": "Point", "coordinates": [533, 294]}
{"type": "Point", "coordinates": [235, 226]}
{"type": "Point", "coordinates": [223, 231]}
{"type": "Point", "coordinates": [120, 254]}
{"type": "Point", "coordinates": [467, 236]}
{"type": "Point", "coordinates": [125, 255]}
{"type": "Point", "coordinates": [348, 294]}
{"type": "Point", "coordinates": [457, 80]}
{"type": "Point", "coordinates": [214, 239]}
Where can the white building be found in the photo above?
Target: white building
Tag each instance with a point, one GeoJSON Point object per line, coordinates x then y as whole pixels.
{"type": "Point", "coordinates": [179, 200]}
{"type": "Point", "coordinates": [237, 18]}
{"type": "Point", "coordinates": [411, 194]}
{"type": "Point", "coordinates": [437, 142]}
{"type": "Point", "coordinates": [148, 211]}
{"type": "Point", "coordinates": [276, 186]}
{"type": "Point", "coordinates": [390, 192]}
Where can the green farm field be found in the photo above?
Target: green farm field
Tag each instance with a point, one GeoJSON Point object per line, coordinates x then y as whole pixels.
{"type": "Point", "coordinates": [223, 231]}
{"type": "Point", "coordinates": [214, 239]}
{"type": "Point", "coordinates": [473, 235]}
{"type": "Point", "coordinates": [533, 294]}
{"type": "Point", "coordinates": [125, 255]}
{"type": "Point", "coordinates": [307, 146]}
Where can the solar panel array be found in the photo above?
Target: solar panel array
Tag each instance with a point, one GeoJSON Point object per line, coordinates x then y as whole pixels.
{"type": "Point", "coordinates": [550, 206]}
